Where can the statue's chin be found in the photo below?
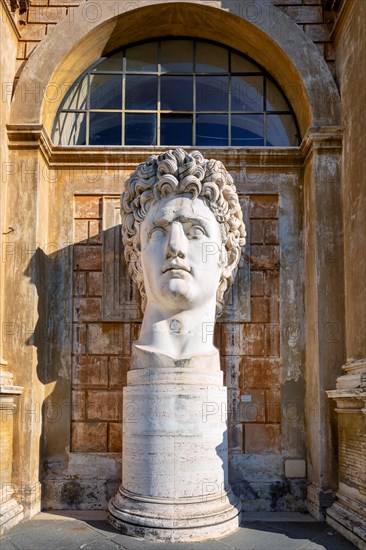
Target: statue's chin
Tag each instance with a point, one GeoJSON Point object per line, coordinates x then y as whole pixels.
{"type": "Point", "coordinates": [179, 293]}
{"type": "Point", "coordinates": [178, 287]}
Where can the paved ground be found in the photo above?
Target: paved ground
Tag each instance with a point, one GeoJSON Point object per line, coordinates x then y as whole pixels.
{"type": "Point", "coordinates": [90, 531]}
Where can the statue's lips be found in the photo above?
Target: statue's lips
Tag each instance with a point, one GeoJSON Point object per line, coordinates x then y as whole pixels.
{"type": "Point", "coordinates": [176, 270]}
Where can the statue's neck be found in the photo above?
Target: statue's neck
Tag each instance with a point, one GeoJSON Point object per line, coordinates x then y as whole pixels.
{"type": "Point", "coordinates": [178, 334]}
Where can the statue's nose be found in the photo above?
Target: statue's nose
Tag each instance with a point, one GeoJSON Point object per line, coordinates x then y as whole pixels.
{"type": "Point", "coordinates": [176, 241]}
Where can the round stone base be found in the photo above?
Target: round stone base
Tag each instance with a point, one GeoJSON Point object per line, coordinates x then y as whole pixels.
{"type": "Point", "coordinates": [175, 521]}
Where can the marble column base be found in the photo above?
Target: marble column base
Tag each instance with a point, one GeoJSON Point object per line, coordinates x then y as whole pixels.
{"type": "Point", "coordinates": [174, 520]}
{"type": "Point", "coordinates": [175, 467]}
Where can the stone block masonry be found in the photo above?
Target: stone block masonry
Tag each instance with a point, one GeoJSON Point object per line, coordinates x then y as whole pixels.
{"type": "Point", "coordinates": [250, 354]}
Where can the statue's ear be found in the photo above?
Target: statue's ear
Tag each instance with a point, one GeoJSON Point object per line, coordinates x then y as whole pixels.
{"type": "Point", "coordinates": [233, 260]}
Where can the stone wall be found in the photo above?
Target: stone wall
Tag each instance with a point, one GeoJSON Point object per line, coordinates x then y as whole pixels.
{"type": "Point", "coordinates": [348, 513]}
{"type": "Point", "coordinates": [350, 44]}
{"type": "Point", "coordinates": [8, 44]}
{"type": "Point", "coordinates": [268, 452]}
{"type": "Point", "coordinates": [259, 342]}
{"type": "Point", "coordinates": [250, 354]}
{"type": "Point", "coordinates": [11, 512]}
{"type": "Point", "coordinates": [100, 350]}
{"type": "Point", "coordinates": [81, 443]}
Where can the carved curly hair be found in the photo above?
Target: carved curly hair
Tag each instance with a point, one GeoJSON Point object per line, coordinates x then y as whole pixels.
{"type": "Point", "coordinates": [178, 172]}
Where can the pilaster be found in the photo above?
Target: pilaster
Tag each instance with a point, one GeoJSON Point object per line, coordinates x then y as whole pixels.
{"type": "Point", "coordinates": [24, 273]}
{"type": "Point", "coordinates": [324, 307]}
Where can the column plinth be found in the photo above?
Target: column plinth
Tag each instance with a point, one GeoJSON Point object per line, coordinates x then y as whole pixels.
{"type": "Point", "coordinates": [175, 467]}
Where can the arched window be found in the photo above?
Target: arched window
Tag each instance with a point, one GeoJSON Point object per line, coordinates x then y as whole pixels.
{"type": "Point", "coordinates": [176, 92]}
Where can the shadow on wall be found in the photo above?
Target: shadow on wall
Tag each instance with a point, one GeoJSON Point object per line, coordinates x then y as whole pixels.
{"type": "Point", "coordinates": [52, 337]}
{"type": "Point", "coordinates": [82, 361]}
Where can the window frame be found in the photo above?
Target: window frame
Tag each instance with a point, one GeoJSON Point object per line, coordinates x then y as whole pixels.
{"type": "Point", "coordinates": [260, 72]}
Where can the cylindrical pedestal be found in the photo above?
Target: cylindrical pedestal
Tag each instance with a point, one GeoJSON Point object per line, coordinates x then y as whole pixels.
{"type": "Point", "coordinates": [175, 472]}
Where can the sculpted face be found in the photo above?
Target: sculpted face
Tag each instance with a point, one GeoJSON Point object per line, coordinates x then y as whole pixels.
{"type": "Point", "coordinates": [180, 253]}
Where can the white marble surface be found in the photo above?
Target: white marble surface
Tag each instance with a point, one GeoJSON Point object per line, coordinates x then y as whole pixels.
{"type": "Point", "coordinates": [182, 228]}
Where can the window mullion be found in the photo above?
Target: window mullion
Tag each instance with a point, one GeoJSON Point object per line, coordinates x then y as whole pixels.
{"type": "Point", "coordinates": [264, 111]}
{"type": "Point", "coordinates": [124, 64]}
{"type": "Point", "coordinates": [229, 102]}
{"type": "Point", "coordinates": [87, 130]}
{"type": "Point", "coordinates": [159, 96]}
{"type": "Point", "coordinates": [194, 97]}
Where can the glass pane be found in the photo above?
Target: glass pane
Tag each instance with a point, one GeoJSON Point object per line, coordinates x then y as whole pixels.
{"type": "Point", "coordinates": [141, 92]}
{"type": "Point", "coordinates": [212, 130]}
{"type": "Point", "coordinates": [177, 93]}
{"type": "Point", "coordinates": [70, 129]}
{"type": "Point", "coordinates": [176, 130]}
{"type": "Point", "coordinates": [247, 131]}
{"type": "Point", "coordinates": [247, 93]}
{"type": "Point", "coordinates": [240, 64]}
{"type": "Point", "coordinates": [211, 59]}
{"type": "Point", "coordinates": [105, 91]}
{"type": "Point", "coordinates": [177, 55]}
{"type": "Point", "coordinates": [140, 129]}
{"type": "Point", "coordinates": [275, 100]}
{"type": "Point", "coordinates": [281, 131]}
{"type": "Point", "coordinates": [112, 63]}
{"type": "Point", "coordinates": [143, 57]}
{"type": "Point", "coordinates": [212, 93]}
{"type": "Point", "coordinates": [77, 95]}
{"type": "Point", "coordinates": [105, 129]}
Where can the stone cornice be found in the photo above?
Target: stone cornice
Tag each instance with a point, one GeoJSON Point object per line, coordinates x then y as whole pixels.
{"type": "Point", "coordinates": [30, 137]}
{"type": "Point", "coordinates": [6, 384]}
{"type": "Point", "coordinates": [11, 390]}
{"type": "Point", "coordinates": [351, 388]}
{"type": "Point", "coordinates": [27, 137]}
{"type": "Point", "coordinates": [321, 138]}
{"type": "Point", "coordinates": [349, 401]}
{"type": "Point", "coordinates": [129, 157]}
{"type": "Point", "coordinates": [357, 365]}
{"type": "Point", "coordinates": [8, 392]}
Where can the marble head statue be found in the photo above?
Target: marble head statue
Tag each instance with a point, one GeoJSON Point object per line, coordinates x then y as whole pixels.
{"type": "Point", "coordinates": [182, 230]}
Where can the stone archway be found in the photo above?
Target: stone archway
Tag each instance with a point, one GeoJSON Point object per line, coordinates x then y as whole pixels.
{"type": "Point", "coordinates": [101, 28]}
{"type": "Point", "coordinates": [314, 169]}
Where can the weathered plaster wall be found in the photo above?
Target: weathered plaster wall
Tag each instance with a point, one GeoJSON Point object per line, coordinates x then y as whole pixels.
{"type": "Point", "coordinates": [350, 43]}
{"type": "Point", "coordinates": [10, 511]}
{"type": "Point", "coordinates": [22, 304]}
{"type": "Point", "coordinates": [8, 47]}
{"type": "Point", "coordinates": [348, 513]}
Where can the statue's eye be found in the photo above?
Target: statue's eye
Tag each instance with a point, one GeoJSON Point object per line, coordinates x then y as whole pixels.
{"type": "Point", "coordinates": [157, 233]}
{"type": "Point", "coordinates": [196, 232]}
